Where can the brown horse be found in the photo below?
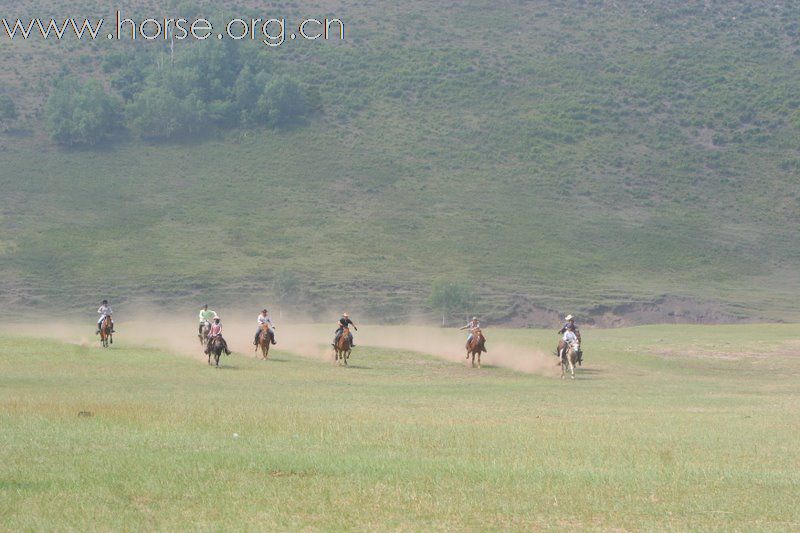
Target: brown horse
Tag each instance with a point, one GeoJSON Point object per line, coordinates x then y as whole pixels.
{"type": "Point", "coordinates": [106, 335]}
{"type": "Point", "coordinates": [342, 347]}
{"type": "Point", "coordinates": [264, 341]}
{"type": "Point", "coordinates": [570, 358]}
{"type": "Point", "coordinates": [215, 348]}
{"type": "Point", "coordinates": [476, 346]}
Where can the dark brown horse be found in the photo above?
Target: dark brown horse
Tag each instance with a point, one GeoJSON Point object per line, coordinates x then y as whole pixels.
{"type": "Point", "coordinates": [215, 348]}
{"type": "Point", "coordinates": [476, 346]}
{"type": "Point", "coordinates": [106, 335]}
{"type": "Point", "coordinates": [264, 341]}
{"type": "Point", "coordinates": [342, 347]}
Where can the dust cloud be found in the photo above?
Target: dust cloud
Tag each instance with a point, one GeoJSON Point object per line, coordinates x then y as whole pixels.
{"type": "Point", "coordinates": [179, 335]}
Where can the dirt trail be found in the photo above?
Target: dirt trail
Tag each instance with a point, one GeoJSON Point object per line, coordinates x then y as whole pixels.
{"type": "Point", "coordinates": [307, 340]}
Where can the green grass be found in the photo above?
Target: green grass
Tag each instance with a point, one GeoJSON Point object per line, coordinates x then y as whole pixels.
{"type": "Point", "coordinates": [582, 157]}
{"type": "Point", "coordinates": [665, 428]}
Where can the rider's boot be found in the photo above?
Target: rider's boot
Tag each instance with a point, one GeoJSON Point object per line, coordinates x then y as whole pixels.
{"type": "Point", "coordinates": [255, 341]}
{"type": "Point", "coordinates": [352, 344]}
{"type": "Point", "coordinates": [272, 339]}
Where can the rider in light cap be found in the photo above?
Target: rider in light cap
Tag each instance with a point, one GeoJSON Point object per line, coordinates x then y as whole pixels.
{"type": "Point", "coordinates": [471, 326]}
{"type": "Point", "coordinates": [216, 331]}
{"type": "Point", "coordinates": [343, 323]}
{"type": "Point", "coordinates": [262, 319]}
{"type": "Point", "coordinates": [570, 328]}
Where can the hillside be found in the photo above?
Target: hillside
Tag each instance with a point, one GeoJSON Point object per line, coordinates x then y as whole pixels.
{"type": "Point", "coordinates": [625, 162]}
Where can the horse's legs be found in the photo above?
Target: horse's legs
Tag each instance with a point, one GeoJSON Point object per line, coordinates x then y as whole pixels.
{"type": "Point", "coordinates": [479, 359]}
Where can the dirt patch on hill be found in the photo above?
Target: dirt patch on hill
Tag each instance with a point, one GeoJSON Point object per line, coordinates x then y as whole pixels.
{"type": "Point", "coordinates": [524, 313]}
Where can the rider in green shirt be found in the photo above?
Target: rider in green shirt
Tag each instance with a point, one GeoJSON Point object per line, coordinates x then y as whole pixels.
{"type": "Point", "coordinates": [206, 316]}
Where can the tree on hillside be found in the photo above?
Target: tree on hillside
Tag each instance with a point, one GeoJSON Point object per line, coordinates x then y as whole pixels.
{"type": "Point", "coordinates": [450, 297]}
{"type": "Point", "coordinates": [80, 113]}
{"type": "Point", "coordinates": [283, 102]}
{"type": "Point", "coordinates": [156, 113]}
{"type": "Point", "coordinates": [8, 112]}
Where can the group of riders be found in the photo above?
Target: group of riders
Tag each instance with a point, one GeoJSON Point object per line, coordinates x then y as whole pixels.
{"type": "Point", "coordinates": [211, 326]}
{"type": "Point", "coordinates": [211, 323]}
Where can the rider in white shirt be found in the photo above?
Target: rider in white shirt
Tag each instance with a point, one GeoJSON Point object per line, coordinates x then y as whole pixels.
{"type": "Point", "coordinates": [104, 310]}
{"type": "Point", "coordinates": [264, 318]}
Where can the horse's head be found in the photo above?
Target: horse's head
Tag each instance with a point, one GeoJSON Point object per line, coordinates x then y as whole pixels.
{"type": "Point", "coordinates": [575, 345]}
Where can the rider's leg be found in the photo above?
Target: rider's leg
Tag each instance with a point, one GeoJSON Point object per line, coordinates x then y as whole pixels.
{"type": "Point", "coordinates": [225, 346]}
{"type": "Point", "coordinates": [352, 344]}
{"type": "Point", "coordinates": [112, 327]}
{"type": "Point", "coordinates": [272, 336]}
{"type": "Point", "coordinates": [258, 334]}
{"type": "Point", "coordinates": [98, 326]}
{"type": "Point", "coordinates": [336, 337]}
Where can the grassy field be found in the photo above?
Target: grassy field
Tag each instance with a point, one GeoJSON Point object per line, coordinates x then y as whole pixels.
{"type": "Point", "coordinates": [666, 427]}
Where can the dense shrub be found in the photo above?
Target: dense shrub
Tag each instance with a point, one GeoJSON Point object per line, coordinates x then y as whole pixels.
{"type": "Point", "coordinates": [81, 113]}
{"type": "Point", "coordinates": [8, 111]}
{"type": "Point", "coordinates": [217, 86]}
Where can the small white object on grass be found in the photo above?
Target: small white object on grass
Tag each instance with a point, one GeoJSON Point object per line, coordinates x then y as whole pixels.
{"type": "Point", "coordinates": [235, 435]}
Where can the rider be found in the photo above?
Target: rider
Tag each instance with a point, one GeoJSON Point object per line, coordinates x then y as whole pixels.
{"type": "Point", "coordinates": [264, 318]}
{"type": "Point", "coordinates": [471, 326]}
{"type": "Point", "coordinates": [206, 315]}
{"type": "Point", "coordinates": [343, 323]}
{"type": "Point", "coordinates": [570, 322]}
{"type": "Point", "coordinates": [570, 326]}
{"type": "Point", "coordinates": [569, 337]}
{"type": "Point", "coordinates": [216, 331]}
{"type": "Point", "coordinates": [104, 311]}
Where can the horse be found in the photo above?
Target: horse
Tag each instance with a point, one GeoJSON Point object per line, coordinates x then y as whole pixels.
{"type": "Point", "coordinates": [214, 348]}
{"type": "Point", "coordinates": [264, 341]}
{"type": "Point", "coordinates": [106, 337]}
{"type": "Point", "coordinates": [203, 331]}
{"type": "Point", "coordinates": [476, 346]}
{"type": "Point", "coordinates": [342, 347]}
{"type": "Point", "coordinates": [569, 358]}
